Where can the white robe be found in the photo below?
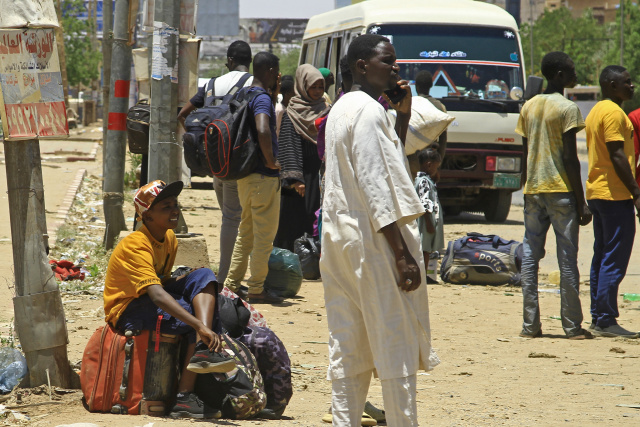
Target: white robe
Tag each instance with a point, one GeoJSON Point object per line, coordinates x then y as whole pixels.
{"type": "Point", "coordinates": [372, 323]}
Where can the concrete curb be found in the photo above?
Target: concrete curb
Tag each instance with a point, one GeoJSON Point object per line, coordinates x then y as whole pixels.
{"type": "Point", "coordinates": [67, 202]}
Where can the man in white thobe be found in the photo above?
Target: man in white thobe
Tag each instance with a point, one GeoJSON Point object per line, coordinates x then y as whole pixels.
{"type": "Point", "coordinates": [372, 264]}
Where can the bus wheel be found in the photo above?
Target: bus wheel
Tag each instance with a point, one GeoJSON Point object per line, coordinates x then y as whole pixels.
{"type": "Point", "coordinates": [497, 206]}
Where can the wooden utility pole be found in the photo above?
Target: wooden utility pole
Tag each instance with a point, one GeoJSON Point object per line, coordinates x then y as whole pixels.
{"type": "Point", "coordinates": [116, 143]}
{"type": "Point", "coordinates": [39, 315]}
{"type": "Point", "coordinates": [38, 312]}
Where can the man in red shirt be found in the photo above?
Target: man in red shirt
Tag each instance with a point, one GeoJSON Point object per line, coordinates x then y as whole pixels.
{"type": "Point", "coordinates": [634, 116]}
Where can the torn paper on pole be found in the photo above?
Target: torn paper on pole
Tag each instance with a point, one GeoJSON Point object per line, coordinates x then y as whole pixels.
{"type": "Point", "coordinates": [163, 34]}
{"type": "Point", "coordinates": [31, 91]}
{"type": "Point", "coordinates": [31, 13]}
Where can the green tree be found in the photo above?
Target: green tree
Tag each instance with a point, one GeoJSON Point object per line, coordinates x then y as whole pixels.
{"type": "Point", "coordinates": [582, 38]}
{"type": "Point", "coordinates": [631, 60]}
{"type": "Point", "coordinates": [83, 59]}
{"type": "Point", "coordinates": [289, 61]}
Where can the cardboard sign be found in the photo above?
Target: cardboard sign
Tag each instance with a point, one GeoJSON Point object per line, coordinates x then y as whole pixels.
{"type": "Point", "coordinates": [31, 93]}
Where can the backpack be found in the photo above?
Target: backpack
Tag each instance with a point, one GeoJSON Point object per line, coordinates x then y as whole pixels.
{"type": "Point", "coordinates": [239, 393]}
{"type": "Point", "coordinates": [480, 259]}
{"type": "Point", "coordinates": [221, 140]}
{"type": "Point", "coordinates": [308, 250]}
{"type": "Point", "coordinates": [138, 119]}
{"type": "Point", "coordinates": [274, 363]}
{"type": "Point", "coordinates": [284, 278]}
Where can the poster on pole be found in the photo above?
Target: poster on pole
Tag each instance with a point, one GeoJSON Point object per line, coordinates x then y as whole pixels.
{"type": "Point", "coordinates": [31, 93]}
{"type": "Point", "coordinates": [34, 13]}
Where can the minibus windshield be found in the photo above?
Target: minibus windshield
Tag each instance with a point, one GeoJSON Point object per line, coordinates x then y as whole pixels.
{"type": "Point", "coordinates": [467, 62]}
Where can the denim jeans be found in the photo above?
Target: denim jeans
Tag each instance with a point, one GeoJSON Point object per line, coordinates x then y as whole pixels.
{"type": "Point", "coordinates": [614, 228]}
{"type": "Point", "coordinates": [227, 195]}
{"type": "Point", "coordinates": [541, 211]}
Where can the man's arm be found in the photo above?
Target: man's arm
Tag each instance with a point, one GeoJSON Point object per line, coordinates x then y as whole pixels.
{"type": "Point", "coordinates": [264, 139]}
{"type": "Point", "coordinates": [403, 111]}
{"type": "Point", "coordinates": [623, 170]}
{"type": "Point", "coordinates": [407, 267]}
{"type": "Point", "coordinates": [182, 115]}
{"type": "Point", "coordinates": [162, 299]}
{"type": "Point", "coordinates": [442, 144]}
{"type": "Point", "coordinates": [572, 166]}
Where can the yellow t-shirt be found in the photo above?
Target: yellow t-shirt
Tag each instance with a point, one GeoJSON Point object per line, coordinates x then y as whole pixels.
{"type": "Point", "coordinates": [543, 120]}
{"type": "Point", "coordinates": [138, 262]}
{"type": "Point", "coordinates": [605, 123]}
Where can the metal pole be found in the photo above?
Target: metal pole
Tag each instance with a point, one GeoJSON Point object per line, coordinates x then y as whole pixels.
{"type": "Point", "coordinates": [621, 32]}
{"type": "Point", "coordinates": [165, 151]}
{"type": "Point", "coordinates": [116, 143]}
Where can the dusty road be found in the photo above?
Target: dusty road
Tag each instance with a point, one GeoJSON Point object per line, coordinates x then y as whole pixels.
{"type": "Point", "coordinates": [488, 375]}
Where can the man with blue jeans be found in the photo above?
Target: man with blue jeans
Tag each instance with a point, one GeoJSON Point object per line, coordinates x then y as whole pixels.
{"type": "Point", "coordinates": [612, 192]}
{"type": "Point", "coordinates": [553, 194]}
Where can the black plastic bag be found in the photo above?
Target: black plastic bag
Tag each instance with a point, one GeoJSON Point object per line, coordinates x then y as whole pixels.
{"type": "Point", "coordinates": [308, 250]}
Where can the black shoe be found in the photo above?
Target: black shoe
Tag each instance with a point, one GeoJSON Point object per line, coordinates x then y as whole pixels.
{"type": "Point", "coordinates": [264, 298]}
{"type": "Point", "coordinates": [582, 334]}
{"type": "Point", "coordinates": [190, 406]}
{"type": "Point", "coordinates": [242, 294]}
{"type": "Point", "coordinates": [592, 326]}
{"type": "Point", "coordinates": [614, 330]}
{"type": "Point", "coordinates": [204, 361]}
{"type": "Point", "coordinates": [525, 334]}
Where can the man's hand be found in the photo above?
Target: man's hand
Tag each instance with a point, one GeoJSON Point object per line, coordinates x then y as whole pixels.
{"type": "Point", "coordinates": [273, 164]}
{"type": "Point", "coordinates": [409, 273]}
{"type": "Point", "coordinates": [275, 91]}
{"type": "Point", "coordinates": [300, 188]}
{"type": "Point", "coordinates": [584, 214]}
{"type": "Point", "coordinates": [636, 203]}
{"type": "Point", "coordinates": [404, 106]}
{"type": "Point", "coordinates": [210, 338]}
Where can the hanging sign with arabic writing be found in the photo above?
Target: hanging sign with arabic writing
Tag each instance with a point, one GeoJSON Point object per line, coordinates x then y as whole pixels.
{"type": "Point", "coordinates": [31, 94]}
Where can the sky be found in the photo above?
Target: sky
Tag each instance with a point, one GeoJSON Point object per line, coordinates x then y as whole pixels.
{"type": "Point", "coordinates": [298, 9]}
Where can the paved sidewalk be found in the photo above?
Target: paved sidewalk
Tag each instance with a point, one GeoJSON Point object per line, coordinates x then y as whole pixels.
{"type": "Point", "coordinates": [64, 163]}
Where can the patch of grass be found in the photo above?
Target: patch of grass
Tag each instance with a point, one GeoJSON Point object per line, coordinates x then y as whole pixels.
{"type": "Point", "coordinates": [130, 177]}
{"type": "Point", "coordinates": [9, 341]}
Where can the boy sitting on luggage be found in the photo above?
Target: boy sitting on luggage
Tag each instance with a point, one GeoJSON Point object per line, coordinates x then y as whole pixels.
{"type": "Point", "coordinates": [139, 293]}
{"type": "Point", "coordinates": [430, 224]}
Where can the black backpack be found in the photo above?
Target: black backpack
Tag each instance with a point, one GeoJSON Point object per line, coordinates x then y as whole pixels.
{"type": "Point", "coordinates": [138, 127]}
{"type": "Point", "coordinates": [221, 140]}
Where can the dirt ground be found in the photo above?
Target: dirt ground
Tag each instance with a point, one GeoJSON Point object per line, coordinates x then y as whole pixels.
{"type": "Point", "coordinates": [488, 375]}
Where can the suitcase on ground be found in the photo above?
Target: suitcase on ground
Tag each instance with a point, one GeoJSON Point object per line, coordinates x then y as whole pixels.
{"type": "Point", "coordinates": [132, 373]}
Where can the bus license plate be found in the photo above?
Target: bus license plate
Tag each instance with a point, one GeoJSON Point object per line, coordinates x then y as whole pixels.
{"type": "Point", "coordinates": [506, 180]}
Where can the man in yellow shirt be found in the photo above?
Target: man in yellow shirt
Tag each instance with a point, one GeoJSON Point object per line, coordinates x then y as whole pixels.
{"type": "Point", "coordinates": [140, 294]}
{"type": "Point", "coordinates": [612, 193]}
{"type": "Point", "coordinates": [553, 194]}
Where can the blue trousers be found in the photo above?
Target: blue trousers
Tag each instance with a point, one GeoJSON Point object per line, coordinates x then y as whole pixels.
{"type": "Point", "coordinates": [614, 228]}
{"type": "Point", "coordinates": [142, 313]}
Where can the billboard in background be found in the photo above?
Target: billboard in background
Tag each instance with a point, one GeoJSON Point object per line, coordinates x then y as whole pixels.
{"type": "Point", "coordinates": [272, 30]}
{"type": "Point", "coordinates": [31, 95]}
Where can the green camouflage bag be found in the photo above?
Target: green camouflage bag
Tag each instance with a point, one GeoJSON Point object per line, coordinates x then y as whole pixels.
{"type": "Point", "coordinates": [239, 393]}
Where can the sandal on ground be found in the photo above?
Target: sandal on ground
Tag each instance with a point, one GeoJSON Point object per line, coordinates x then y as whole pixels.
{"type": "Point", "coordinates": [366, 420]}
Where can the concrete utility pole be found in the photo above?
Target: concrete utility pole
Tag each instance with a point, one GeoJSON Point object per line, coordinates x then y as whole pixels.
{"type": "Point", "coordinates": [116, 143]}
{"type": "Point", "coordinates": [531, 11]}
{"type": "Point", "coordinates": [107, 43]}
{"type": "Point", "coordinates": [61, 55]}
{"type": "Point", "coordinates": [165, 151]}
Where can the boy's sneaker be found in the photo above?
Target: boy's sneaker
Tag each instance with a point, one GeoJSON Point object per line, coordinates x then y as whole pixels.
{"type": "Point", "coordinates": [204, 361]}
{"type": "Point", "coordinates": [190, 406]}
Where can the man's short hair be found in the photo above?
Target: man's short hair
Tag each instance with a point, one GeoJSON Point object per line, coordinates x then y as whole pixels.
{"type": "Point", "coordinates": [263, 61]}
{"type": "Point", "coordinates": [363, 47]}
{"type": "Point", "coordinates": [553, 62]}
{"type": "Point", "coordinates": [345, 71]}
{"type": "Point", "coordinates": [424, 81]}
{"type": "Point", "coordinates": [429, 154]}
{"type": "Point", "coordinates": [610, 73]}
{"type": "Point", "coordinates": [240, 51]}
{"type": "Point", "coordinates": [287, 84]}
